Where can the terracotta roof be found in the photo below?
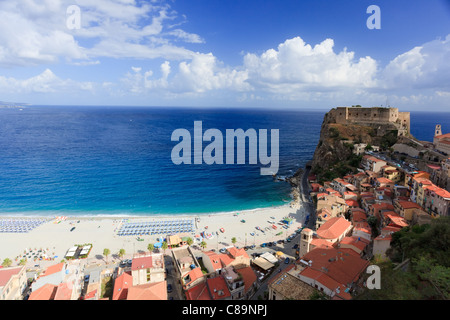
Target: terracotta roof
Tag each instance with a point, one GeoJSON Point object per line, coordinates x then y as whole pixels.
{"type": "Point", "coordinates": [391, 228]}
{"type": "Point", "coordinates": [384, 180]}
{"type": "Point", "coordinates": [249, 277]}
{"type": "Point", "coordinates": [215, 259]}
{"type": "Point", "coordinates": [218, 288]}
{"type": "Point", "coordinates": [397, 221]}
{"type": "Point", "coordinates": [357, 242]}
{"type": "Point", "coordinates": [352, 203]}
{"type": "Point", "coordinates": [53, 269]}
{"type": "Point", "coordinates": [387, 237]}
{"type": "Point", "coordinates": [447, 135]}
{"type": "Point", "coordinates": [333, 228]}
{"type": "Point", "coordinates": [141, 263]}
{"type": "Point", "coordinates": [148, 291]}
{"type": "Point", "coordinates": [321, 243]}
{"type": "Point", "coordinates": [198, 292]}
{"type": "Point", "coordinates": [338, 264]}
{"type": "Point", "coordinates": [382, 206]}
{"type": "Point", "coordinates": [409, 205]}
{"type": "Point", "coordinates": [359, 216]}
{"type": "Point", "coordinates": [235, 252]}
{"type": "Point", "coordinates": [63, 292]}
{"type": "Point", "coordinates": [7, 273]}
{"type": "Point", "coordinates": [90, 295]}
{"type": "Point", "coordinates": [194, 274]}
{"type": "Point", "coordinates": [121, 285]}
{"type": "Point", "coordinates": [434, 167]}
{"type": "Point", "coordinates": [46, 292]}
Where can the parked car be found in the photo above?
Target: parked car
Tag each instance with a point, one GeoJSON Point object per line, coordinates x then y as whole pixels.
{"type": "Point", "coordinates": [73, 228]}
{"type": "Point", "coordinates": [286, 260]}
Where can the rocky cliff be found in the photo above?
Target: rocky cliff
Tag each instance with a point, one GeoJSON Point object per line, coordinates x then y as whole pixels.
{"type": "Point", "coordinates": [334, 156]}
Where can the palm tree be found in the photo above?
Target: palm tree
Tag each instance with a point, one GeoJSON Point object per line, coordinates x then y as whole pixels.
{"type": "Point", "coordinates": [164, 246]}
{"type": "Point", "coordinates": [190, 241]}
{"type": "Point", "coordinates": [233, 240]}
{"type": "Point", "coordinates": [150, 247]}
{"type": "Point", "coordinates": [203, 244]}
{"type": "Point", "coordinates": [121, 253]}
{"type": "Point", "coordinates": [6, 263]}
{"type": "Point", "coordinates": [106, 252]}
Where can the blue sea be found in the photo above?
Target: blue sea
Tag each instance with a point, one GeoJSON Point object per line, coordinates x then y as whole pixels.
{"type": "Point", "coordinates": [82, 161]}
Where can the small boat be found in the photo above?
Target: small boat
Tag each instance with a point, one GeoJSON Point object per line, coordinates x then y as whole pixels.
{"type": "Point", "coordinates": [222, 230]}
{"type": "Point", "coordinates": [243, 221]}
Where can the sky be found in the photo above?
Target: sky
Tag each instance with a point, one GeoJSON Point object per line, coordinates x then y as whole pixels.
{"type": "Point", "coordinates": [287, 54]}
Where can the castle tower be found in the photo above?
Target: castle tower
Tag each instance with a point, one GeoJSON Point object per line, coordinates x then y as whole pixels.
{"type": "Point", "coordinates": [305, 241]}
{"type": "Point", "coordinates": [438, 130]}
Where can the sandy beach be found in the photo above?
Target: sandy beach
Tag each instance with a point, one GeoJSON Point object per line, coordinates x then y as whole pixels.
{"type": "Point", "coordinates": [55, 239]}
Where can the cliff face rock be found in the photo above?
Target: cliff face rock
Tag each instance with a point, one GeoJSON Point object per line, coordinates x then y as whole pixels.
{"type": "Point", "coordinates": [335, 147]}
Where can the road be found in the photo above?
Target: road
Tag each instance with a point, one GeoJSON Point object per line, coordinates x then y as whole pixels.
{"type": "Point", "coordinates": [309, 205]}
{"type": "Point", "coordinates": [288, 250]}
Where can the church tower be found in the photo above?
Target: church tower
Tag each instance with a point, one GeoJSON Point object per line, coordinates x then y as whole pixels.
{"type": "Point", "coordinates": [305, 241]}
{"type": "Point", "coordinates": [438, 130]}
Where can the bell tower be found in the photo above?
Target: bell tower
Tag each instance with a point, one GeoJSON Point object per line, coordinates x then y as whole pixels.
{"type": "Point", "coordinates": [438, 130]}
{"type": "Point", "coordinates": [305, 241]}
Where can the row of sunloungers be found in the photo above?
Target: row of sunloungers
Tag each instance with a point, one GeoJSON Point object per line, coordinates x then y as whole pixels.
{"type": "Point", "coordinates": [156, 227]}
{"type": "Point", "coordinates": [20, 225]}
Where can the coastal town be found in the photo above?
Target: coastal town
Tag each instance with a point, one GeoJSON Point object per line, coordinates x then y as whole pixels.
{"type": "Point", "coordinates": [318, 248]}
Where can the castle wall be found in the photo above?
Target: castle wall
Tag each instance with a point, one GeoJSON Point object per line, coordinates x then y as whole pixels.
{"type": "Point", "coordinates": [345, 115]}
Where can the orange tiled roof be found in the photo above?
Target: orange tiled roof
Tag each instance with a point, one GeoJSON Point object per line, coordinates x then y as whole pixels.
{"type": "Point", "coordinates": [63, 292]}
{"type": "Point", "coordinates": [215, 259]}
{"type": "Point", "coordinates": [408, 204]}
{"type": "Point", "coordinates": [333, 228]}
{"type": "Point", "coordinates": [121, 285]}
{"type": "Point", "coordinates": [321, 243]}
{"type": "Point", "coordinates": [195, 274]}
{"type": "Point", "coordinates": [148, 291]}
{"type": "Point", "coordinates": [235, 252]}
{"type": "Point", "coordinates": [6, 274]}
{"type": "Point", "coordinates": [338, 264]}
{"type": "Point", "coordinates": [249, 277]}
{"type": "Point", "coordinates": [198, 292]}
{"type": "Point", "coordinates": [142, 263]}
{"type": "Point", "coordinates": [46, 292]}
{"type": "Point", "coordinates": [357, 242]}
{"type": "Point", "coordinates": [218, 288]}
{"type": "Point", "coordinates": [53, 269]}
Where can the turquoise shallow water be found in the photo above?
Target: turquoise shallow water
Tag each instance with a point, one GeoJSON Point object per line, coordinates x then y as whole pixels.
{"type": "Point", "coordinates": [108, 161]}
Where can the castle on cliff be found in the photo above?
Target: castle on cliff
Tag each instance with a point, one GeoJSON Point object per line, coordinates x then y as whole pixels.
{"type": "Point", "coordinates": [381, 115]}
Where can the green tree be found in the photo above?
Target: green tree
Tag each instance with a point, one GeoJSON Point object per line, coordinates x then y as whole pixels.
{"type": "Point", "coordinates": [190, 241]}
{"type": "Point", "coordinates": [203, 244]}
{"type": "Point", "coordinates": [7, 263]}
{"type": "Point", "coordinates": [164, 246]}
{"type": "Point", "coordinates": [150, 247]}
{"type": "Point", "coordinates": [106, 253]}
{"type": "Point", "coordinates": [121, 253]}
{"type": "Point", "coordinates": [233, 240]}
